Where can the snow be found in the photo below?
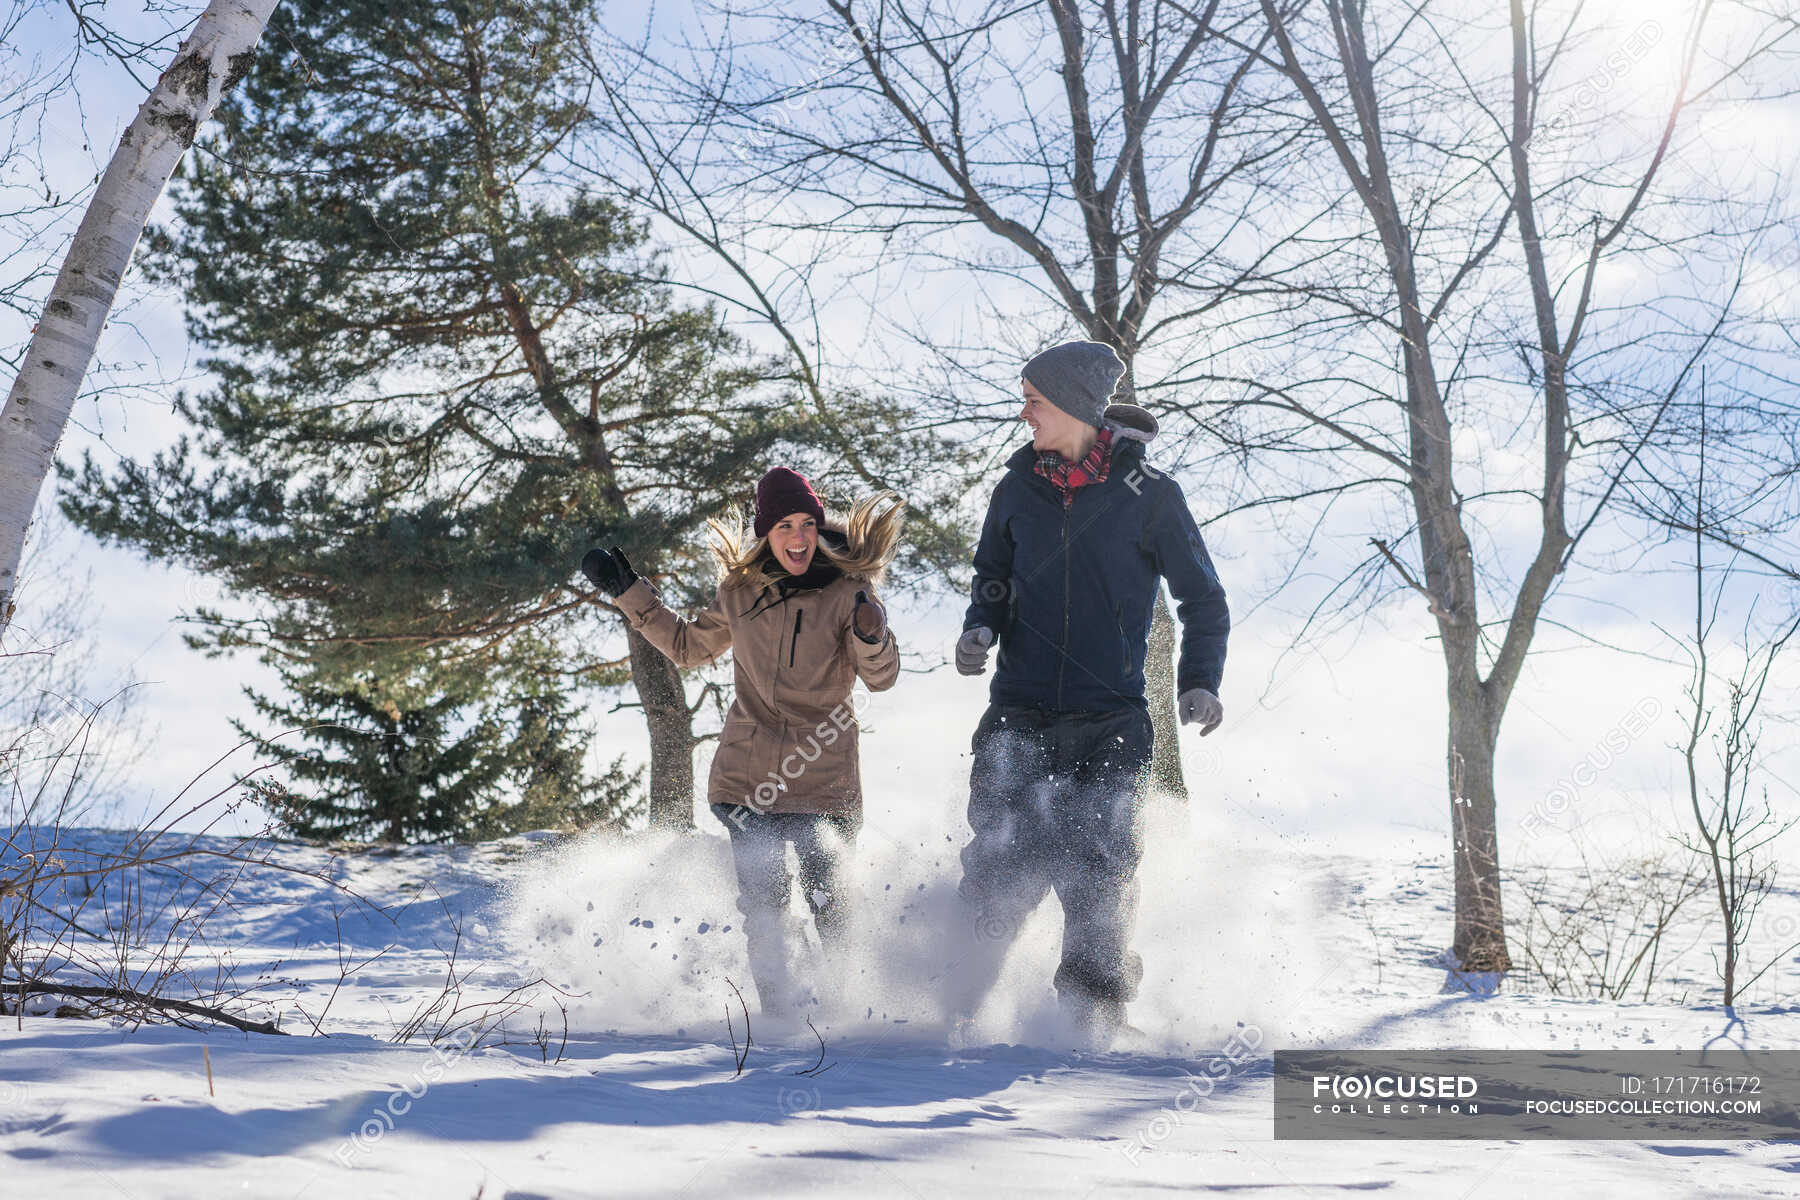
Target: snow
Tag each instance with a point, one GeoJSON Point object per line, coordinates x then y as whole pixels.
{"type": "Point", "coordinates": [1249, 939]}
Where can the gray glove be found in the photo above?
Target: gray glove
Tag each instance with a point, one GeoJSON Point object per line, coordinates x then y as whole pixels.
{"type": "Point", "coordinates": [972, 650]}
{"type": "Point", "coordinates": [1198, 704]}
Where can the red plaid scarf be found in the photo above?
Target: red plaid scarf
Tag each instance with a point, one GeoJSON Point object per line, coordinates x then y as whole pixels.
{"type": "Point", "coordinates": [1068, 476]}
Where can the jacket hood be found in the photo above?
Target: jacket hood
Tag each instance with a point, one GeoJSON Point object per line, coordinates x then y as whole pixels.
{"type": "Point", "coordinates": [1131, 422]}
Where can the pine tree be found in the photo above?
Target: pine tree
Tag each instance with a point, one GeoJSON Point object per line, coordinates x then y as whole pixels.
{"type": "Point", "coordinates": [441, 373]}
{"type": "Point", "coordinates": [387, 759]}
{"type": "Point", "coordinates": [546, 747]}
{"type": "Point", "coordinates": [377, 770]}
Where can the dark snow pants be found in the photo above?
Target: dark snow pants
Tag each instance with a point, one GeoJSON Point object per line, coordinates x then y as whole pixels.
{"type": "Point", "coordinates": [1056, 802]}
{"type": "Point", "coordinates": [759, 842]}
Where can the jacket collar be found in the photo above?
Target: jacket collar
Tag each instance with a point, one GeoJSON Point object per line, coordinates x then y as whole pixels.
{"type": "Point", "coordinates": [820, 573]}
{"type": "Point", "coordinates": [1126, 453]}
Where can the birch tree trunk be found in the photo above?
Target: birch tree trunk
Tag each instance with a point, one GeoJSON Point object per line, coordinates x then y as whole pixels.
{"type": "Point", "coordinates": [62, 346]}
{"type": "Point", "coordinates": [1159, 684]}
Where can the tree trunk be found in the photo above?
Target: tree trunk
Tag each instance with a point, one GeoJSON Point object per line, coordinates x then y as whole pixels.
{"type": "Point", "coordinates": [1159, 689]}
{"type": "Point", "coordinates": [1479, 941]}
{"type": "Point", "coordinates": [657, 680]}
{"type": "Point", "coordinates": [37, 409]}
{"type": "Point", "coordinates": [660, 690]}
{"type": "Point", "coordinates": [1159, 659]}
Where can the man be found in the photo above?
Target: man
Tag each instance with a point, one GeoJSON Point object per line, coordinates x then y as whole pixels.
{"type": "Point", "coordinates": [1079, 533]}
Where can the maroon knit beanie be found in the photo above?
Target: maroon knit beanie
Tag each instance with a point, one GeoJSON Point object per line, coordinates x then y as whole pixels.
{"type": "Point", "coordinates": [782, 493]}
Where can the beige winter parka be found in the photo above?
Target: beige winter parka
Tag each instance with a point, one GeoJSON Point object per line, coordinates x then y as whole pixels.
{"type": "Point", "coordinates": [790, 739]}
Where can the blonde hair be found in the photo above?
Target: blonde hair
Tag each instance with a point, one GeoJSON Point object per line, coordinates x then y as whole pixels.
{"type": "Point", "coordinates": [871, 531]}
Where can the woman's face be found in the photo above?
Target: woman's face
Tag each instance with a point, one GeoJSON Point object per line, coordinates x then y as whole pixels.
{"type": "Point", "coordinates": [793, 539]}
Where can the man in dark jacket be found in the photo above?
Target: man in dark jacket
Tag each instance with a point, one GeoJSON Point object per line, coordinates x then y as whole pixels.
{"type": "Point", "coordinates": [1079, 534]}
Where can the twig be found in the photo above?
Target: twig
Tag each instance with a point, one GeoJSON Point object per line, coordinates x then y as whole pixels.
{"type": "Point", "coordinates": [743, 1057]}
{"type": "Point", "coordinates": [820, 1067]}
{"type": "Point", "coordinates": [1437, 610]}
{"type": "Point", "coordinates": [130, 996]}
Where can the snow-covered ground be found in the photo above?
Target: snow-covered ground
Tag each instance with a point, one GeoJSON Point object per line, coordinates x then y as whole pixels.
{"type": "Point", "coordinates": [1248, 939]}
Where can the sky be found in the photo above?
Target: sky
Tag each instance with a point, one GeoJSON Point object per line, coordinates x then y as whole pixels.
{"type": "Point", "coordinates": [1342, 739]}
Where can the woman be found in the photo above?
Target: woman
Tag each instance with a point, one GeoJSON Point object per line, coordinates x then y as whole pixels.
{"type": "Point", "coordinates": [798, 611]}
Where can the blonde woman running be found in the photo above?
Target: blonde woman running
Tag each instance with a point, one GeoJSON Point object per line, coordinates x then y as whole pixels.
{"type": "Point", "coordinates": [797, 607]}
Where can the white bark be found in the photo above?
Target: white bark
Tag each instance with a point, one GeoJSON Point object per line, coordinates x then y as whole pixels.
{"type": "Point", "coordinates": [62, 346]}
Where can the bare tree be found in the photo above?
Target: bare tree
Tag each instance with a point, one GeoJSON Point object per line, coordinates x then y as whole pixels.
{"type": "Point", "coordinates": [1456, 299]}
{"type": "Point", "coordinates": [49, 687]}
{"type": "Point", "coordinates": [112, 918]}
{"type": "Point", "coordinates": [62, 345]}
{"type": "Point", "coordinates": [29, 202]}
{"type": "Point", "coordinates": [49, 53]}
{"type": "Point", "coordinates": [1735, 827]}
{"type": "Point", "coordinates": [1599, 929]}
{"type": "Point", "coordinates": [1082, 166]}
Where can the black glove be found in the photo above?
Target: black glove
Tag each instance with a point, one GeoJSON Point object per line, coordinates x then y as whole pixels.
{"type": "Point", "coordinates": [877, 618]}
{"type": "Point", "coordinates": [608, 570]}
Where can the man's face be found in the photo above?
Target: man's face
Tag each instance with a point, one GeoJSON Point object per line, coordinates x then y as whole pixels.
{"type": "Point", "coordinates": [793, 539]}
{"type": "Point", "coordinates": [1051, 427]}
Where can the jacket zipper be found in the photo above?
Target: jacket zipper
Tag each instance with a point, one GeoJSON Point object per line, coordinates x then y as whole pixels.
{"type": "Point", "coordinates": [1062, 662]}
{"type": "Point", "coordinates": [795, 644]}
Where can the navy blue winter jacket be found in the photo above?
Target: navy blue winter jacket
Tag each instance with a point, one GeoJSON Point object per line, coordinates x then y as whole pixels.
{"type": "Point", "coordinates": [1070, 591]}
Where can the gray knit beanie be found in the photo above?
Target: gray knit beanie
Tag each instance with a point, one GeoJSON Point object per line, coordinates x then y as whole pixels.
{"type": "Point", "coordinates": [1077, 377]}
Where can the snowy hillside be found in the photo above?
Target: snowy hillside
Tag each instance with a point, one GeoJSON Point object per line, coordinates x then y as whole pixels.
{"type": "Point", "coordinates": [1248, 940]}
